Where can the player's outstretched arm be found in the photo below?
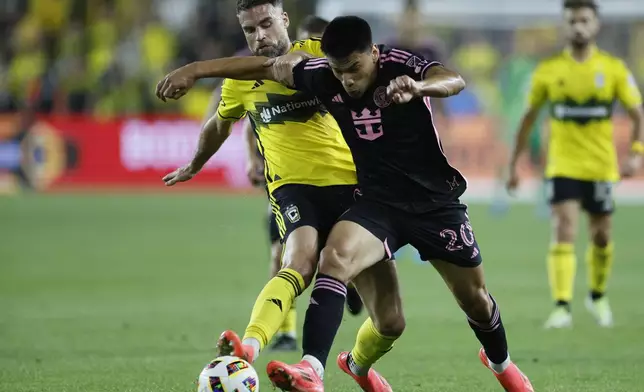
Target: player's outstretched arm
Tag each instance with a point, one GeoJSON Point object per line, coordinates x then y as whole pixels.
{"type": "Point", "coordinates": [280, 69]}
{"type": "Point", "coordinates": [213, 134]}
{"type": "Point", "coordinates": [439, 82]}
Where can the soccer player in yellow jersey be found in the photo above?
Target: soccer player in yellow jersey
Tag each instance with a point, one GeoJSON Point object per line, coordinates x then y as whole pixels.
{"type": "Point", "coordinates": [308, 167]}
{"type": "Point", "coordinates": [580, 85]}
{"type": "Point", "coordinates": [285, 340]}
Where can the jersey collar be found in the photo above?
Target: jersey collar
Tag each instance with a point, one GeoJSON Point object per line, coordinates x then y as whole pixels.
{"type": "Point", "coordinates": [568, 53]}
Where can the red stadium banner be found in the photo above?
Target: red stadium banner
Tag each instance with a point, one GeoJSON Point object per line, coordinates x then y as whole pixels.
{"type": "Point", "coordinates": [61, 152]}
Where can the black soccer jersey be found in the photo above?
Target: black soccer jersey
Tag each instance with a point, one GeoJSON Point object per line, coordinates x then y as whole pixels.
{"type": "Point", "coordinates": [396, 149]}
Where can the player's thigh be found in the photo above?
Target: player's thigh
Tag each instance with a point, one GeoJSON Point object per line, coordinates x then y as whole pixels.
{"type": "Point", "coordinates": [362, 237]}
{"type": "Point", "coordinates": [298, 222]}
{"type": "Point", "coordinates": [565, 196]}
{"type": "Point", "coordinates": [380, 292]}
{"type": "Point", "coordinates": [445, 234]}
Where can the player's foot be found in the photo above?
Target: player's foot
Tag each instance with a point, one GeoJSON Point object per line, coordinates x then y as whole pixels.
{"type": "Point", "coordinates": [230, 344]}
{"type": "Point", "coordinates": [300, 377]}
{"type": "Point", "coordinates": [559, 318]}
{"type": "Point", "coordinates": [511, 379]}
{"type": "Point", "coordinates": [354, 302]}
{"type": "Point", "coordinates": [600, 309]}
{"type": "Point", "coordinates": [372, 382]}
{"type": "Point", "coordinates": [284, 343]}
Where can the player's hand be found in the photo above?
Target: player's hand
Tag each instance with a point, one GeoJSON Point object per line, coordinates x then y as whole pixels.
{"type": "Point", "coordinates": [182, 174]}
{"type": "Point", "coordinates": [403, 89]}
{"type": "Point", "coordinates": [513, 181]}
{"type": "Point", "coordinates": [177, 83]}
{"type": "Point", "coordinates": [255, 171]}
{"type": "Point", "coordinates": [632, 165]}
{"type": "Point", "coordinates": [283, 66]}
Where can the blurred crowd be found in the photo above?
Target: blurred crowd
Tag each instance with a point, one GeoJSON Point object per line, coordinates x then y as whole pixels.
{"type": "Point", "coordinates": [104, 57]}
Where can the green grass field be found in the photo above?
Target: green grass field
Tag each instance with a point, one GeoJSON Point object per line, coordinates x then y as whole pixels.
{"type": "Point", "coordinates": [129, 293]}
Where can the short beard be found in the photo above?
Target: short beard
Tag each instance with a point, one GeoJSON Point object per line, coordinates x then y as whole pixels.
{"type": "Point", "coordinates": [579, 45]}
{"type": "Point", "coordinates": [274, 51]}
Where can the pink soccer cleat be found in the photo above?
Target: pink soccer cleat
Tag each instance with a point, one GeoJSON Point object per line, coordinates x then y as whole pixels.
{"type": "Point", "coordinates": [511, 379]}
{"type": "Point", "coordinates": [229, 343]}
{"type": "Point", "coordinates": [300, 377]}
{"type": "Point", "coordinates": [372, 382]}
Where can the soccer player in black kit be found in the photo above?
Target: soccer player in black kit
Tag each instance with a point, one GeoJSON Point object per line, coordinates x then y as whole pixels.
{"type": "Point", "coordinates": [410, 195]}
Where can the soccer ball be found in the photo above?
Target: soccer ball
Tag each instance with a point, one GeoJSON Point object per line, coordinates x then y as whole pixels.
{"type": "Point", "coordinates": [228, 374]}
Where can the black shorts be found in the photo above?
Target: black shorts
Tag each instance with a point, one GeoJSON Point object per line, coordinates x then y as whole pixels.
{"type": "Point", "coordinates": [444, 234]}
{"type": "Point", "coordinates": [297, 205]}
{"type": "Point", "coordinates": [273, 230]}
{"type": "Point", "coordinates": [596, 197]}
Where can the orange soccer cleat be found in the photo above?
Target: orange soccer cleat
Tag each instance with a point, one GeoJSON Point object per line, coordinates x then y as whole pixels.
{"type": "Point", "coordinates": [511, 379]}
{"type": "Point", "coordinates": [372, 382]}
{"type": "Point", "coordinates": [229, 343]}
{"type": "Point", "coordinates": [300, 377]}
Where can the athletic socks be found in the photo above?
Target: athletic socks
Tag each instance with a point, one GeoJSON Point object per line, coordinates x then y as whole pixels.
{"type": "Point", "coordinates": [491, 334]}
{"type": "Point", "coordinates": [562, 265]}
{"type": "Point", "coordinates": [289, 326]}
{"type": "Point", "coordinates": [370, 346]}
{"type": "Point", "coordinates": [599, 261]}
{"type": "Point", "coordinates": [323, 318]}
{"type": "Point", "coordinates": [271, 308]}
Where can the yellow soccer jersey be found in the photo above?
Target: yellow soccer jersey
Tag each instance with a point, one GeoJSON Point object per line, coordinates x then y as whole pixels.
{"type": "Point", "coordinates": [581, 96]}
{"type": "Point", "coordinates": [300, 142]}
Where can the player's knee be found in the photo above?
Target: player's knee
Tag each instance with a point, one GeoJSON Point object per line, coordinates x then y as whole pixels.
{"type": "Point", "coordinates": [335, 261]}
{"type": "Point", "coordinates": [564, 228]}
{"type": "Point", "coordinates": [392, 325]}
{"type": "Point", "coordinates": [303, 262]}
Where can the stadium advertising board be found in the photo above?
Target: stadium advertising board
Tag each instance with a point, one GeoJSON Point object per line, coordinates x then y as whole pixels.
{"type": "Point", "coordinates": [70, 152]}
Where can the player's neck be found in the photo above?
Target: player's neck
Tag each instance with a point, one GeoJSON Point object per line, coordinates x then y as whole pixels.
{"type": "Point", "coordinates": [581, 53]}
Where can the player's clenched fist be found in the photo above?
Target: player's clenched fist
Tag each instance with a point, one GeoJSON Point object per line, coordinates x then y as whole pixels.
{"type": "Point", "coordinates": [282, 66]}
{"type": "Point", "coordinates": [403, 89]}
{"type": "Point", "coordinates": [182, 174]}
{"type": "Point", "coordinates": [177, 83]}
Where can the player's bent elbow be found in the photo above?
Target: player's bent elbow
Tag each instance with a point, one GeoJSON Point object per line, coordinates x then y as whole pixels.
{"type": "Point", "coordinates": [459, 84]}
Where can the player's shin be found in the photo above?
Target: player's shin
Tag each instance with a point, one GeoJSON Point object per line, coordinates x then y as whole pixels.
{"type": "Point", "coordinates": [562, 265]}
{"type": "Point", "coordinates": [322, 320]}
{"type": "Point", "coordinates": [491, 333]}
{"type": "Point", "coordinates": [370, 346]}
{"type": "Point", "coordinates": [600, 262]}
{"type": "Point", "coordinates": [271, 308]}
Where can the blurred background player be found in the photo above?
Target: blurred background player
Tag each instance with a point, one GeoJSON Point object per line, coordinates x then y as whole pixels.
{"type": "Point", "coordinates": [581, 83]}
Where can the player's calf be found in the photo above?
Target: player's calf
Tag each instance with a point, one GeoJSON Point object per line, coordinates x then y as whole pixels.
{"type": "Point", "coordinates": [483, 315]}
